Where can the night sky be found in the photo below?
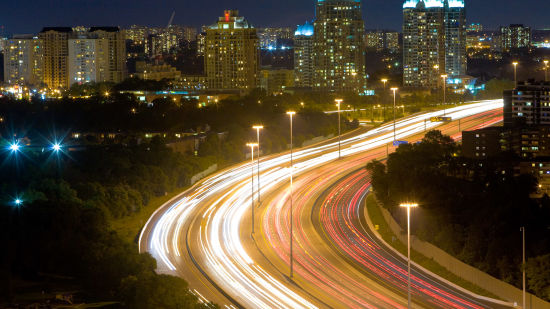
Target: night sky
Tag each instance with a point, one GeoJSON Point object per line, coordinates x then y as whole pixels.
{"type": "Point", "coordinates": [29, 16]}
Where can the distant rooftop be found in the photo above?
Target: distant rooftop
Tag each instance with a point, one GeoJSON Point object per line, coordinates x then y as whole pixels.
{"type": "Point", "coordinates": [304, 30]}
{"type": "Point", "coordinates": [433, 3]}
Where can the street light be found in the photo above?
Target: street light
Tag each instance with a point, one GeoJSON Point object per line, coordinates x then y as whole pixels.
{"type": "Point", "coordinates": [545, 70]}
{"type": "Point", "coordinates": [444, 77]}
{"type": "Point", "coordinates": [15, 147]}
{"type": "Point", "coordinates": [56, 147]}
{"type": "Point", "coordinates": [258, 128]}
{"type": "Point", "coordinates": [291, 114]}
{"type": "Point", "coordinates": [515, 63]}
{"type": "Point", "coordinates": [394, 89]}
{"type": "Point", "coordinates": [409, 206]}
{"type": "Point", "coordinates": [18, 202]}
{"type": "Point", "coordinates": [384, 80]}
{"type": "Point", "coordinates": [522, 229]}
{"type": "Point", "coordinates": [252, 145]}
{"type": "Point", "coordinates": [338, 102]}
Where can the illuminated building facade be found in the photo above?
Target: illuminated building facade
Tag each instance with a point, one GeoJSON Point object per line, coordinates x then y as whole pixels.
{"type": "Point", "coordinates": [232, 55]}
{"type": "Point", "coordinates": [303, 56]}
{"type": "Point", "coordinates": [82, 60]}
{"type": "Point", "coordinates": [434, 41]}
{"type": "Point", "coordinates": [111, 53]}
{"type": "Point", "coordinates": [55, 56]}
{"type": "Point", "coordinates": [382, 40]}
{"type": "Point", "coordinates": [23, 60]}
{"type": "Point", "coordinates": [269, 37]}
{"type": "Point", "coordinates": [339, 56]}
{"type": "Point", "coordinates": [515, 37]}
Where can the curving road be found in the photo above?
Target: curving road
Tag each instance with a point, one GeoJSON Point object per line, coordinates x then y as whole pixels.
{"type": "Point", "coordinates": [203, 234]}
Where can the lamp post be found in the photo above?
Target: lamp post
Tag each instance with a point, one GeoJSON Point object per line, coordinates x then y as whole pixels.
{"type": "Point", "coordinates": [444, 77]}
{"type": "Point", "coordinates": [291, 114]}
{"type": "Point", "coordinates": [394, 89]}
{"type": "Point", "coordinates": [522, 229]}
{"type": "Point", "coordinates": [409, 206]}
{"type": "Point", "coordinates": [252, 145]}
{"type": "Point", "coordinates": [338, 102]}
{"type": "Point", "coordinates": [258, 128]}
{"type": "Point", "coordinates": [384, 81]}
{"type": "Point", "coordinates": [545, 70]}
{"type": "Point", "coordinates": [515, 63]}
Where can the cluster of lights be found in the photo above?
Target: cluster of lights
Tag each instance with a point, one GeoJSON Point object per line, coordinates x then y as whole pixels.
{"type": "Point", "coordinates": [16, 147]}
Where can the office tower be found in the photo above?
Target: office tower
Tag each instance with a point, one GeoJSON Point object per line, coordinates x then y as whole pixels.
{"type": "Point", "coordinates": [303, 55]}
{"type": "Point", "coordinates": [110, 53]}
{"type": "Point", "coordinates": [339, 57]}
{"type": "Point", "coordinates": [515, 36]}
{"type": "Point", "coordinates": [382, 40]}
{"type": "Point", "coordinates": [528, 103]}
{"type": "Point", "coordinates": [23, 60]}
{"type": "Point", "coordinates": [232, 53]}
{"type": "Point", "coordinates": [434, 41]}
{"type": "Point", "coordinates": [55, 56]}
{"type": "Point", "coordinates": [269, 37]}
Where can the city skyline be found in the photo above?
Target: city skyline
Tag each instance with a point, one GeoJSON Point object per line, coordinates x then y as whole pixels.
{"type": "Point", "coordinates": [261, 14]}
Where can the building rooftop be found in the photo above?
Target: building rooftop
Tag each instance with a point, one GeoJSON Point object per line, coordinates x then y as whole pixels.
{"type": "Point", "coordinates": [433, 3]}
{"type": "Point", "coordinates": [304, 30]}
{"type": "Point", "coordinates": [58, 29]}
{"type": "Point", "coordinates": [106, 29]}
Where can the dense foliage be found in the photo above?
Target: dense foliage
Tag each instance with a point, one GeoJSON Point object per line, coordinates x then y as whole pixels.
{"type": "Point", "coordinates": [70, 198]}
{"type": "Point", "coordinates": [471, 209]}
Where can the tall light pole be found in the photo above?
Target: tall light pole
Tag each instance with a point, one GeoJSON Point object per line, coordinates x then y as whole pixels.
{"type": "Point", "coordinates": [384, 81]}
{"type": "Point", "coordinates": [338, 102]}
{"type": "Point", "coordinates": [545, 70]}
{"type": "Point", "coordinates": [394, 89]}
{"type": "Point", "coordinates": [258, 128]}
{"type": "Point", "coordinates": [444, 77]}
{"type": "Point", "coordinates": [515, 63]}
{"type": "Point", "coordinates": [291, 114]}
{"type": "Point", "coordinates": [409, 206]}
{"type": "Point", "coordinates": [252, 145]}
{"type": "Point", "coordinates": [522, 229]}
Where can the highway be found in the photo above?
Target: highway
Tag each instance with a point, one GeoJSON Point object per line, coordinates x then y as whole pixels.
{"type": "Point", "coordinates": [203, 235]}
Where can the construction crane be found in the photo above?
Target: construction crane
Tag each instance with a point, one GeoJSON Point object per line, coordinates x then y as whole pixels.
{"type": "Point", "coordinates": [171, 19]}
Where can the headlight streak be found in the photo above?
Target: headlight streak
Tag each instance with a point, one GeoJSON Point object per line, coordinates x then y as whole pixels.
{"type": "Point", "coordinates": [227, 262]}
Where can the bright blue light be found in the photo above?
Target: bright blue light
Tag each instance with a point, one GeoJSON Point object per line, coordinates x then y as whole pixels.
{"type": "Point", "coordinates": [18, 202]}
{"type": "Point", "coordinates": [15, 147]}
{"type": "Point", "coordinates": [56, 147]}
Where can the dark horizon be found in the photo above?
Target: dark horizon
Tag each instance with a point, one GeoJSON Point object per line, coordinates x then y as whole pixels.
{"type": "Point", "coordinates": [28, 17]}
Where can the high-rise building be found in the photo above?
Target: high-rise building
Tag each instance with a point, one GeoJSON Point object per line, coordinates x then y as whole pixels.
{"type": "Point", "coordinates": [434, 41]}
{"type": "Point", "coordinates": [528, 103]}
{"type": "Point", "coordinates": [83, 60]}
{"type": "Point", "coordinates": [515, 36]}
{"type": "Point", "coordinates": [232, 53]}
{"type": "Point", "coordinates": [55, 56]}
{"type": "Point", "coordinates": [382, 40]}
{"type": "Point", "coordinates": [339, 57]}
{"type": "Point", "coordinates": [111, 54]}
{"type": "Point", "coordinates": [474, 27]}
{"type": "Point", "coordinates": [303, 56]}
{"type": "Point", "coordinates": [269, 37]}
{"type": "Point", "coordinates": [23, 60]}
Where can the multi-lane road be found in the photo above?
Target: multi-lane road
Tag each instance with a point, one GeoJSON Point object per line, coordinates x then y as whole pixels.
{"type": "Point", "coordinates": [204, 234]}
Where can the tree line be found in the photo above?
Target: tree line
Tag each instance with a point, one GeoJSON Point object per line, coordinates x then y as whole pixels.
{"type": "Point", "coordinates": [471, 209]}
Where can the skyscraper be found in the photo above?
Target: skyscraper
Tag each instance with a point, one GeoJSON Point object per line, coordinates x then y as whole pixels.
{"type": "Point", "coordinates": [232, 57]}
{"type": "Point", "coordinates": [339, 57]}
{"type": "Point", "coordinates": [111, 53]}
{"type": "Point", "coordinates": [434, 41]}
{"type": "Point", "coordinates": [303, 56]}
